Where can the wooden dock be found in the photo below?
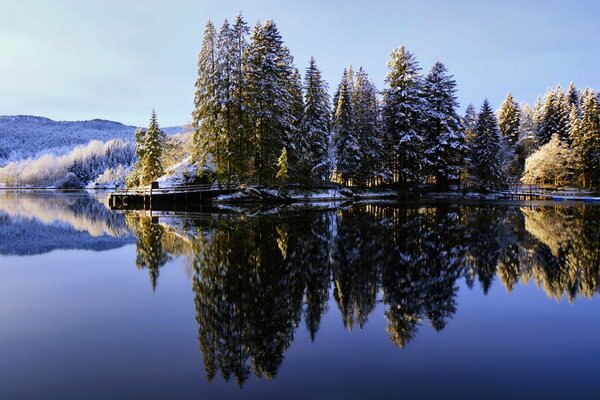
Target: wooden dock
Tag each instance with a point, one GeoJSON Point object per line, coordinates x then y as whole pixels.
{"type": "Point", "coordinates": [168, 198]}
{"type": "Point", "coordinates": [531, 192]}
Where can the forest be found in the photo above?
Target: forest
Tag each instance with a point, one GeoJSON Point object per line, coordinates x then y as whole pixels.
{"type": "Point", "coordinates": [256, 119]}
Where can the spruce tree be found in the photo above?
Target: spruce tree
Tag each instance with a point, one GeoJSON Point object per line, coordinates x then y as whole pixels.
{"type": "Point", "coordinates": [269, 100]}
{"type": "Point", "coordinates": [295, 141]}
{"type": "Point", "coordinates": [366, 127]}
{"type": "Point", "coordinates": [206, 104]}
{"type": "Point", "coordinates": [486, 165]}
{"type": "Point", "coordinates": [403, 113]}
{"type": "Point", "coordinates": [444, 141]}
{"type": "Point", "coordinates": [573, 96]}
{"type": "Point", "coordinates": [151, 163]}
{"type": "Point", "coordinates": [469, 121]}
{"type": "Point", "coordinates": [509, 120]}
{"type": "Point", "coordinates": [344, 139]}
{"type": "Point", "coordinates": [231, 137]}
{"type": "Point", "coordinates": [577, 144]}
{"type": "Point", "coordinates": [313, 156]}
{"type": "Point", "coordinates": [589, 146]}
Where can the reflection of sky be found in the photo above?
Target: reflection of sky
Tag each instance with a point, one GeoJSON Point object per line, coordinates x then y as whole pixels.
{"type": "Point", "coordinates": [116, 59]}
{"type": "Point", "coordinates": [87, 324]}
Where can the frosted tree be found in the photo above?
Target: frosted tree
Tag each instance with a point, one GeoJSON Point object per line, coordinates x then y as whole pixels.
{"type": "Point", "coordinates": [366, 127]}
{"type": "Point", "coordinates": [313, 160]}
{"type": "Point", "coordinates": [578, 144]}
{"type": "Point", "coordinates": [573, 96]}
{"type": "Point", "coordinates": [268, 72]}
{"type": "Point", "coordinates": [486, 165]}
{"type": "Point", "coordinates": [232, 139]}
{"type": "Point", "coordinates": [295, 141]}
{"type": "Point", "coordinates": [528, 140]}
{"type": "Point", "coordinates": [469, 121]}
{"type": "Point", "coordinates": [206, 104]}
{"type": "Point", "coordinates": [588, 146]}
{"type": "Point", "coordinates": [549, 165]}
{"type": "Point", "coordinates": [403, 113]}
{"type": "Point", "coordinates": [553, 116]}
{"type": "Point", "coordinates": [509, 120]}
{"type": "Point", "coordinates": [151, 163]}
{"type": "Point", "coordinates": [344, 139]}
{"type": "Point", "coordinates": [282, 164]}
{"type": "Point", "coordinates": [444, 141]}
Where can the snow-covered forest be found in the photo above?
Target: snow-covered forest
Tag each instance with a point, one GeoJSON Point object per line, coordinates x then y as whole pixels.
{"type": "Point", "coordinates": [257, 119]}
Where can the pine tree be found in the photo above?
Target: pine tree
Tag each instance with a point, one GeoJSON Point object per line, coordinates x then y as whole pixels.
{"type": "Point", "coordinates": [366, 127]}
{"type": "Point", "coordinates": [313, 156]}
{"type": "Point", "coordinates": [469, 122]}
{"type": "Point", "coordinates": [589, 147]}
{"type": "Point", "coordinates": [344, 139]}
{"type": "Point", "coordinates": [282, 163]}
{"type": "Point", "coordinates": [153, 143]}
{"type": "Point", "coordinates": [206, 104]}
{"type": "Point", "coordinates": [509, 120]}
{"type": "Point", "coordinates": [486, 164]}
{"type": "Point", "coordinates": [578, 144]}
{"type": "Point", "coordinates": [528, 140]}
{"type": "Point", "coordinates": [404, 110]}
{"type": "Point", "coordinates": [573, 96]}
{"type": "Point", "coordinates": [295, 141]}
{"type": "Point", "coordinates": [444, 141]}
{"type": "Point", "coordinates": [231, 137]}
{"type": "Point", "coordinates": [268, 71]}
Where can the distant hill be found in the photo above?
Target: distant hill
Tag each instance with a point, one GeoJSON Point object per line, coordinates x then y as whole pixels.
{"type": "Point", "coordinates": [23, 136]}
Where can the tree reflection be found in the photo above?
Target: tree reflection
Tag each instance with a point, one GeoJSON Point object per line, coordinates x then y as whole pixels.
{"type": "Point", "coordinates": [255, 278]}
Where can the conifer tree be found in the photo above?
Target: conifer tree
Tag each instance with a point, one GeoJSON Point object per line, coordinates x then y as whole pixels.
{"type": "Point", "coordinates": [469, 122]}
{"type": "Point", "coordinates": [313, 160]}
{"type": "Point", "coordinates": [444, 141]}
{"type": "Point", "coordinates": [509, 120]}
{"type": "Point", "coordinates": [154, 140]}
{"type": "Point", "coordinates": [206, 105]}
{"type": "Point", "coordinates": [282, 163]}
{"type": "Point", "coordinates": [578, 144]}
{"type": "Point", "coordinates": [344, 139]}
{"type": "Point", "coordinates": [268, 71]}
{"type": "Point", "coordinates": [366, 127]}
{"type": "Point", "coordinates": [295, 141]}
{"type": "Point", "coordinates": [573, 96]}
{"type": "Point", "coordinates": [589, 146]}
{"type": "Point", "coordinates": [231, 137]}
{"type": "Point", "coordinates": [486, 165]}
{"type": "Point", "coordinates": [403, 113]}
{"type": "Point", "coordinates": [528, 140]}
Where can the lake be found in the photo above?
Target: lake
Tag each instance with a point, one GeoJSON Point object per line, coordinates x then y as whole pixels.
{"type": "Point", "coordinates": [377, 300]}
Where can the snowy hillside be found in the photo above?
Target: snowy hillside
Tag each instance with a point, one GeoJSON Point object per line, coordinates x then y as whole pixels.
{"type": "Point", "coordinates": [25, 136]}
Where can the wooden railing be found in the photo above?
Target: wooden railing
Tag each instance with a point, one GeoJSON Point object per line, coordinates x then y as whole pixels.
{"type": "Point", "coordinates": [173, 189]}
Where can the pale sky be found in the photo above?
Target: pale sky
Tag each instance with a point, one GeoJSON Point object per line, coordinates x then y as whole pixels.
{"type": "Point", "coordinates": [118, 59]}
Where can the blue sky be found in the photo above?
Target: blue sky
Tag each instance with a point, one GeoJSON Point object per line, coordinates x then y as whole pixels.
{"type": "Point", "coordinates": [117, 59]}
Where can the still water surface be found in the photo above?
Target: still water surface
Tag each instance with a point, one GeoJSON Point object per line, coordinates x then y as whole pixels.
{"type": "Point", "coordinates": [414, 301]}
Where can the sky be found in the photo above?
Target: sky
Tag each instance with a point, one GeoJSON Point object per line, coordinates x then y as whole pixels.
{"type": "Point", "coordinates": [119, 59]}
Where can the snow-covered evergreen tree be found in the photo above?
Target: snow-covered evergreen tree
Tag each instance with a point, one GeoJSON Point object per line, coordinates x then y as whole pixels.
{"type": "Point", "coordinates": [486, 165]}
{"type": "Point", "coordinates": [444, 141]}
{"type": "Point", "coordinates": [344, 138]}
{"type": "Point", "coordinates": [313, 156]}
{"type": "Point", "coordinates": [206, 104]}
{"type": "Point", "coordinates": [295, 137]}
{"type": "Point", "coordinates": [509, 120]}
{"type": "Point", "coordinates": [154, 139]}
{"type": "Point", "coordinates": [573, 96]}
{"type": "Point", "coordinates": [469, 121]}
{"type": "Point", "coordinates": [269, 100]}
{"type": "Point", "coordinates": [588, 147]}
{"type": "Point", "coordinates": [404, 110]}
{"type": "Point", "coordinates": [528, 140]}
{"type": "Point", "coordinates": [366, 127]}
{"type": "Point", "coordinates": [232, 141]}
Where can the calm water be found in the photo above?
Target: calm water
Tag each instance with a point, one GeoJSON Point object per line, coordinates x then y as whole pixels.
{"type": "Point", "coordinates": [413, 301]}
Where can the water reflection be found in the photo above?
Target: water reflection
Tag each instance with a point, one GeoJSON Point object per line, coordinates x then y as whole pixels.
{"type": "Point", "coordinates": [255, 278]}
{"type": "Point", "coordinates": [37, 223]}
